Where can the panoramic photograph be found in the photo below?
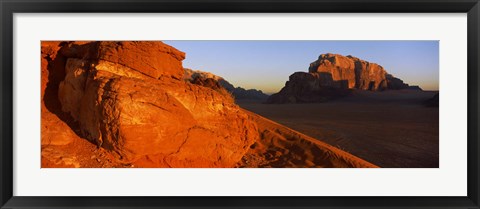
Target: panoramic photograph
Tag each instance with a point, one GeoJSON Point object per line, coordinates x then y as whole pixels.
{"type": "Point", "coordinates": [240, 104]}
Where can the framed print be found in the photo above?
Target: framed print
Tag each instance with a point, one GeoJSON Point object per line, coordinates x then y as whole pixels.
{"type": "Point", "coordinates": [265, 104]}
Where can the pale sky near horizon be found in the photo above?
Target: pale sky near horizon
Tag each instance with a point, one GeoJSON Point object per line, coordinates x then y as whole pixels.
{"type": "Point", "coordinates": [266, 65]}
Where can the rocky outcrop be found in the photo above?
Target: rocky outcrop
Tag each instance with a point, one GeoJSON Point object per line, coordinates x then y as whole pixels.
{"type": "Point", "coordinates": [129, 98]}
{"type": "Point", "coordinates": [190, 74]}
{"type": "Point", "coordinates": [238, 93]}
{"type": "Point", "coordinates": [333, 76]}
{"type": "Point", "coordinates": [209, 83]}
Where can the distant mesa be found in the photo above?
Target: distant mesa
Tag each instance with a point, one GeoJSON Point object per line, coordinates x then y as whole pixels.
{"type": "Point", "coordinates": [333, 76]}
{"type": "Point", "coordinates": [209, 79]}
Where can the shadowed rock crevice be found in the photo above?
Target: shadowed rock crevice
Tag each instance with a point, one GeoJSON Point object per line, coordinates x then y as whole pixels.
{"type": "Point", "coordinates": [63, 127]}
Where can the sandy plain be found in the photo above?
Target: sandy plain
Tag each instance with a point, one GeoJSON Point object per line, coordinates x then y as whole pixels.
{"type": "Point", "coordinates": [390, 129]}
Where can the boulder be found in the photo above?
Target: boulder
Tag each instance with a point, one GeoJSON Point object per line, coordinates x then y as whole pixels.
{"type": "Point", "coordinates": [129, 98]}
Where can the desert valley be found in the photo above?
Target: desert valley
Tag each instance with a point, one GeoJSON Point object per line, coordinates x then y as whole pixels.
{"type": "Point", "coordinates": [130, 104]}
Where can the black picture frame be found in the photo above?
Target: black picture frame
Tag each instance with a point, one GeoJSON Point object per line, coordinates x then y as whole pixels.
{"type": "Point", "coordinates": [9, 7]}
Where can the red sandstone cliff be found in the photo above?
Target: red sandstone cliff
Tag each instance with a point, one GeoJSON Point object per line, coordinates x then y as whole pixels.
{"type": "Point", "coordinates": [129, 98]}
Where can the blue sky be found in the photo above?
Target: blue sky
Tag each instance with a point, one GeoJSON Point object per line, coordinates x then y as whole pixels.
{"type": "Point", "coordinates": [266, 65]}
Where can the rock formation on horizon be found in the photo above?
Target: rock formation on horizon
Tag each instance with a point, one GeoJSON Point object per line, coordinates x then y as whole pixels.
{"type": "Point", "coordinates": [238, 93]}
{"type": "Point", "coordinates": [334, 75]}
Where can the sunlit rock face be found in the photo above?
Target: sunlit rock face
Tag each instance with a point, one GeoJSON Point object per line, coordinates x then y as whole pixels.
{"type": "Point", "coordinates": [334, 75]}
{"type": "Point", "coordinates": [130, 98]}
{"type": "Point", "coordinates": [349, 72]}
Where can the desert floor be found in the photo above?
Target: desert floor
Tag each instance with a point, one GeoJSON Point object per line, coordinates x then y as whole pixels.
{"type": "Point", "coordinates": [388, 129]}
